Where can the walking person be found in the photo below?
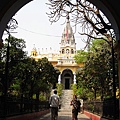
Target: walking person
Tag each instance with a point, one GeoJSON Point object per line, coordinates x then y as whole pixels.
{"type": "Point", "coordinates": [75, 107]}
{"type": "Point", "coordinates": [54, 105]}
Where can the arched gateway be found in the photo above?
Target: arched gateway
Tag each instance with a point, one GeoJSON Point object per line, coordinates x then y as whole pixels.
{"type": "Point", "coordinates": [9, 7]}
{"type": "Point", "coordinates": [67, 78]}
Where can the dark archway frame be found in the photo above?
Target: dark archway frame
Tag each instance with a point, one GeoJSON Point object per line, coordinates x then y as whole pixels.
{"type": "Point", "coordinates": [110, 8]}
{"type": "Point", "coordinates": [10, 7]}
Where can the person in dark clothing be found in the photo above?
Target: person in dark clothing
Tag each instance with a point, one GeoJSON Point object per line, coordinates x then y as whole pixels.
{"type": "Point", "coordinates": [54, 105]}
{"type": "Point", "coordinates": [75, 107]}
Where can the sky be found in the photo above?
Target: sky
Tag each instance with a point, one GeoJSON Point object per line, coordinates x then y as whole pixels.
{"type": "Point", "coordinates": [37, 31]}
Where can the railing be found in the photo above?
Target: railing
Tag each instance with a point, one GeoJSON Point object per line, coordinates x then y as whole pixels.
{"type": "Point", "coordinates": [94, 107]}
{"type": "Point", "coordinates": [105, 109]}
{"type": "Point", "coordinates": [21, 106]}
{"type": "Point", "coordinates": [67, 61]}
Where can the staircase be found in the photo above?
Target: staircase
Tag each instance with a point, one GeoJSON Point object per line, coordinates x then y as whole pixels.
{"type": "Point", "coordinates": [66, 97]}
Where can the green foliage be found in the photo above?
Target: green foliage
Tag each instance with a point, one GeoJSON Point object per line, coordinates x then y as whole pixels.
{"type": "Point", "coordinates": [91, 107]}
{"type": "Point", "coordinates": [95, 75]}
{"type": "Point", "coordinates": [74, 88]}
{"type": "Point", "coordinates": [97, 44]}
{"type": "Point", "coordinates": [82, 93]}
{"type": "Point", "coordinates": [59, 89]}
{"type": "Point", "coordinates": [81, 56]}
{"type": "Point", "coordinates": [26, 76]}
{"type": "Point", "coordinates": [42, 97]}
{"type": "Point", "coordinates": [11, 55]}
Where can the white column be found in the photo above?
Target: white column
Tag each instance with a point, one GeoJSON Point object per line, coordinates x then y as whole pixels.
{"type": "Point", "coordinates": [59, 79]}
{"type": "Point", "coordinates": [74, 78]}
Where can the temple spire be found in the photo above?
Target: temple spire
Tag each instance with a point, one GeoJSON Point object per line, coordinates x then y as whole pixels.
{"type": "Point", "coordinates": [67, 45]}
{"type": "Point", "coordinates": [67, 17]}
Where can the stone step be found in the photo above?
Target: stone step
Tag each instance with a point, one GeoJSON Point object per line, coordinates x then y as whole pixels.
{"type": "Point", "coordinates": [65, 110]}
{"type": "Point", "coordinates": [65, 100]}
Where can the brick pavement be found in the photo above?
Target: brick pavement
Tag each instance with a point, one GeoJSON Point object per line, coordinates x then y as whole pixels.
{"type": "Point", "coordinates": [62, 115]}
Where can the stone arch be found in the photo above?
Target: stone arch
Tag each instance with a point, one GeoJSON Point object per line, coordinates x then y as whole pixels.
{"type": "Point", "coordinates": [9, 7]}
{"type": "Point", "coordinates": [13, 6]}
{"type": "Point", "coordinates": [67, 78]}
{"type": "Point", "coordinates": [104, 7]}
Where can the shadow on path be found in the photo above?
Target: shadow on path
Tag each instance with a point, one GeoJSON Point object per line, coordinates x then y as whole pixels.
{"type": "Point", "coordinates": [63, 116]}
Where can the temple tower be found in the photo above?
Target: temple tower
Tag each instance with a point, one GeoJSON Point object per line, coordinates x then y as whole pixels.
{"type": "Point", "coordinates": [67, 45]}
{"type": "Point", "coordinates": [66, 63]}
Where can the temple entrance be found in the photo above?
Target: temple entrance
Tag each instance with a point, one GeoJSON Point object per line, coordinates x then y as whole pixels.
{"type": "Point", "coordinates": [67, 78]}
{"type": "Point", "coordinates": [67, 83]}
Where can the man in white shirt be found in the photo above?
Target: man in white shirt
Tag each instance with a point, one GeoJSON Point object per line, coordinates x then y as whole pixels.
{"type": "Point", "coordinates": [54, 105]}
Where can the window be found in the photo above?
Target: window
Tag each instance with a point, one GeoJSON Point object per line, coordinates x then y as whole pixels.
{"type": "Point", "coordinates": [72, 51]}
{"type": "Point", "coordinates": [62, 51]}
{"type": "Point", "coordinates": [67, 51]}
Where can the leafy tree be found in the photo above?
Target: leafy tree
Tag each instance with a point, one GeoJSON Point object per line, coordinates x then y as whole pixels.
{"type": "Point", "coordinates": [25, 76]}
{"type": "Point", "coordinates": [46, 76]}
{"type": "Point", "coordinates": [94, 76]}
{"type": "Point", "coordinates": [21, 82]}
{"type": "Point", "coordinates": [11, 53]}
{"type": "Point", "coordinates": [35, 77]}
{"type": "Point", "coordinates": [81, 56]}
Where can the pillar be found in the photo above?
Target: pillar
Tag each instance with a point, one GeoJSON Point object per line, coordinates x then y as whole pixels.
{"type": "Point", "coordinates": [74, 78]}
{"type": "Point", "coordinates": [59, 79]}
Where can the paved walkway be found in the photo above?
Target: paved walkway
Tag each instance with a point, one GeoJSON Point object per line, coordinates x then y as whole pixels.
{"type": "Point", "coordinates": [64, 116]}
